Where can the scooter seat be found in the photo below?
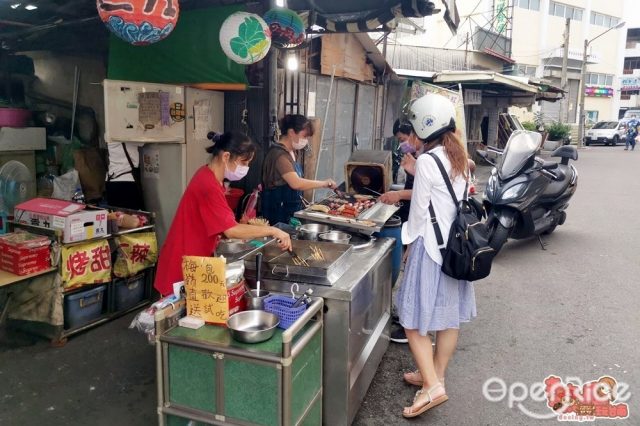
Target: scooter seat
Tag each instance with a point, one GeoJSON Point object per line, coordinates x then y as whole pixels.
{"type": "Point", "coordinates": [560, 183]}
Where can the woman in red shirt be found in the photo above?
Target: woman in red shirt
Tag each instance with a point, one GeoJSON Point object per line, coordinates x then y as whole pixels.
{"type": "Point", "coordinates": [203, 215]}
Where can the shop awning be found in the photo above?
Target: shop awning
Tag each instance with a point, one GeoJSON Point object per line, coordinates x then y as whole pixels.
{"type": "Point", "coordinates": [483, 78]}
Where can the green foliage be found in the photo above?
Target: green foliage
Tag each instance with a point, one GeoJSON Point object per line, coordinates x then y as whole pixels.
{"type": "Point", "coordinates": [529, 125]}
{"type": "Point", "coordinates": [250, 40]}
{"type": "Point", "coordinates": [557, 131]}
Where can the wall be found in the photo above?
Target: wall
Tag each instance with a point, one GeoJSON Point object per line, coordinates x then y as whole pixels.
{"type": "Point", "coordinates": [54, 78]}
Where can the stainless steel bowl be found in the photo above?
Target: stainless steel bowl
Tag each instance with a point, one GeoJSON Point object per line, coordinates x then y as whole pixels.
{"type": "Point", "coordinates": [335, 237]}
{"type": "Point", "coordinates": [252, 326]}
{"type": "Point", "coordinates": [311, 231]}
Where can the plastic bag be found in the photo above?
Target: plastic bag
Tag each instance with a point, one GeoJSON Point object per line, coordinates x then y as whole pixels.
{"type": "Point", "coordinates": [64, 187]}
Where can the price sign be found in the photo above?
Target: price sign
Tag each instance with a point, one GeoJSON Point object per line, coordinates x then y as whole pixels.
{"type": "Point", "coordinates": [205, 287]}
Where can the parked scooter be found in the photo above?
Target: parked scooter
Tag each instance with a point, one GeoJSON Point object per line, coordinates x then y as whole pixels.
{"type": "Point", "coordinates": [527, 196]}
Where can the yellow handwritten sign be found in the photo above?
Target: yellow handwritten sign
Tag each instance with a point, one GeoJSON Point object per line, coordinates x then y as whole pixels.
{"type": "Point", "coordinates": [206, 291]}
{"type": "Point", "coordinates": [88, 263]}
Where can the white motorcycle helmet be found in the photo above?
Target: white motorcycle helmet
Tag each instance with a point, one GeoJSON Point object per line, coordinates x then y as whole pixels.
{"type": "Point", "coordinates": [431, 116]}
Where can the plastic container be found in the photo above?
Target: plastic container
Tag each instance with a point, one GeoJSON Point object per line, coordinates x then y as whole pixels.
{"type": "Point", "coordinates": [281, 306]}
{"type": "Point", "coordinates": [128, 292]}
{"type": "Point", "coordinates": [393, 229]}
{"type": "Point", "coordinates": [14, 117]}
{"type": "Point", "coordinates": [83, 307]}
{"type": "Point", "coordinates": [233, 197]}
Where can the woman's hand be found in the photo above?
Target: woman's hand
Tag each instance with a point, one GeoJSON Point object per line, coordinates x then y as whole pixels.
{"type": "Point", "coordinates": [284, 239]}
{"type": "Point", "coordinates": [391, 197]}
{"type": "Point", "coordinates": [409, 164]}
{"type": "Point", "coordinates": [330, 183]}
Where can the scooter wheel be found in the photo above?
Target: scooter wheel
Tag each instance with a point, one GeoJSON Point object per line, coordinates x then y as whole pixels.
{"type": "Point", "coordinates": [499, 236]}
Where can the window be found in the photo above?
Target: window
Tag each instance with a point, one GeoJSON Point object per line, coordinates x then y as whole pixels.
{"type": "Point", "coordinates": [599, 20]}
{"type": "Point", "coordinates": [577, 14]}
{"type": "Point", "coordinates": [565, 11]}
{"type": "Point", "coordinates": [528, 70]}
{"type": "Point", "coordinates": [597, 79]}
{"type": "Point", "coordinates": [604, 20]}
{"type": "Point", "coordinates": [528, 4]}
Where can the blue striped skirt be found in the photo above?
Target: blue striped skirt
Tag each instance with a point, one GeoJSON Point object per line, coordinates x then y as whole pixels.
{"type": "Point", "coordinates": [428, 299]}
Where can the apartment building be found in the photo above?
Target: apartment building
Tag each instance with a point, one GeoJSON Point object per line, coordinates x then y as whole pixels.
{"type": "Point", "coordinates": [630, 80]}
{"type": "Point", "coordinates": [531, 32]}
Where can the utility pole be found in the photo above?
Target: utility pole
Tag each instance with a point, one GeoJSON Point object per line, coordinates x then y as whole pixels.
{"type": "Point", "coordinates": [583, 76]}
{"type": "Point", "coordinates": [466, 52]}
{"type": "Point", "coordinates": [563, 116]}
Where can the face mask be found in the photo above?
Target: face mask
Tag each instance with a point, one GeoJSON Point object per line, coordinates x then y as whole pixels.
{"type": "Point", "coordinates": [240, 172]}
{"type": "Point", "coordinates": [407, 148]}
{"type": "Point", "coordinates": [300, 144]}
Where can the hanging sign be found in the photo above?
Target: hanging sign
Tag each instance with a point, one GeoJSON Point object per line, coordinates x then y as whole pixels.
{"type": "Point", "coordinates": [472, 97]}
{"type": "Point", "coordinates": [135, 252]}
{"type": "Point", "coordinates": [86, 264]}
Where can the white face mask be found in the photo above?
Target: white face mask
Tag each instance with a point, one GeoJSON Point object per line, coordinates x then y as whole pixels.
{"type": "Point", "coordinates": [301, 143]}
{"type": "Point", "coordinates": [237, 174]}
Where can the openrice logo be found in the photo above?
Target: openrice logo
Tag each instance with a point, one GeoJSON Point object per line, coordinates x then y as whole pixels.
{"type": "Point", "coordinates": [568, 401]}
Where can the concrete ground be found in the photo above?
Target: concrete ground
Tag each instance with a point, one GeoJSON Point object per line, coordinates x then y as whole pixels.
{"type": "Point", "coordinates": [571, 311]}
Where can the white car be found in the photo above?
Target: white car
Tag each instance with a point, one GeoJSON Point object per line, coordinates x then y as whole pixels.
{"type": "Point", "coordinates": [606, 132]}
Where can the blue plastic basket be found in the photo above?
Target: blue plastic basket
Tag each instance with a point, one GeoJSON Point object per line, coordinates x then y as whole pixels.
{"type": "Point", "coordinates": [281, 306]}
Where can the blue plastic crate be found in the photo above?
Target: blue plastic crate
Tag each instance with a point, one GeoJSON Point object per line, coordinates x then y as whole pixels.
{"type": "Point", "coordinates": [83, 307]}
{"type": "Point", "coordinates": [281, 306]}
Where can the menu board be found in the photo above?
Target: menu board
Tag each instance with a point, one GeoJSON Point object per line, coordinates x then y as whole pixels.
{"type": "Point", "coordinates": [206, 291]}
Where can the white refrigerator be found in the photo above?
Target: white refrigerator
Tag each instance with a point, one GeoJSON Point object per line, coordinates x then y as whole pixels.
{"type": "Point", "coordinates": [173, 123]}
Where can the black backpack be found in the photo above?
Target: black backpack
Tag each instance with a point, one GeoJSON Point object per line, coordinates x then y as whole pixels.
{"type": "Point", "coordinates": [467, 255]}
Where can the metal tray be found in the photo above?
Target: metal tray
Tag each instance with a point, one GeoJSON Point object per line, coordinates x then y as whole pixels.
{"type": "Point", "coordinates": [278, 264]}
{"type": "Point", "coordinates": [378, 214]}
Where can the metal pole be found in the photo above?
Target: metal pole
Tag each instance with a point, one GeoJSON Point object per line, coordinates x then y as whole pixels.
{"type": "Point", "coordinates": [563, 115]}
{"type": "Point", "coordinates": [583, 76]}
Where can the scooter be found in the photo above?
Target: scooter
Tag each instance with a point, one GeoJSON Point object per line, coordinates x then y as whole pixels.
{"type": "Point", "coordinates": [526, 195]}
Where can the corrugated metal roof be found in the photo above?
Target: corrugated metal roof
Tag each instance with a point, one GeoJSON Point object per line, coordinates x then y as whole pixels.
{"type": "Point", "coordinates": [425, 58]}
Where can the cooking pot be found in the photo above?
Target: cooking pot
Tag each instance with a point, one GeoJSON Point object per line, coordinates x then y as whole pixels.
{"type": "Point", "coordinates": [335, 237]}
{"type": "Point", "coordinates": [311, 231]}
{"type": "Point", "coordinates": [252, 326]}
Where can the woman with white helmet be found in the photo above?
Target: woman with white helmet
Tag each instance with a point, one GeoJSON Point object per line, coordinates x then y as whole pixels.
{"type": "Point", "coordinates": [429, 300]}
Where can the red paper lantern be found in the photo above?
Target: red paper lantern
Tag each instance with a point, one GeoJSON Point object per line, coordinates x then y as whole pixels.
{"type": "Point", "coordinates": [139, 22]}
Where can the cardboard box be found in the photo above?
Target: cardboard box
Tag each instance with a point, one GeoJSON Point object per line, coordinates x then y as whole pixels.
{"type": "Point", "coordinates": [76, 221]}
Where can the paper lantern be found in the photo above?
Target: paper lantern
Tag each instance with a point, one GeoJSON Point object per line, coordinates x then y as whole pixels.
{"type": "Point", "coordinates": [287, 29]}
{"type": "Point", "coordinates": [139, 22]}
{"type": "Point", "coordinates": [245, 38]}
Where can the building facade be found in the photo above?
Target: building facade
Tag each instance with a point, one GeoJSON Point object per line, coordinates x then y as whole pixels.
{"type": "Point", "coordinates": [531, 32]}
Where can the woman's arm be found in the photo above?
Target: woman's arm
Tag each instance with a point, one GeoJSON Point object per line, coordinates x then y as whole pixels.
{"type": "Point", "coordinates": [301, 184]}
{"type": "Point", "coordinates": [393, 197]}
{"type": "Point", "coordinates": [245, 232]}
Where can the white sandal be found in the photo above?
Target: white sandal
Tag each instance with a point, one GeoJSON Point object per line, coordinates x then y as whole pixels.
{"type": "Point", "coordinates": [429, 404]}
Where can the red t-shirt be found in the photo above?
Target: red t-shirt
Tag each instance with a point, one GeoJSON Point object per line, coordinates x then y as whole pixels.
{"type": "Point", "coordinates": [202, 215]}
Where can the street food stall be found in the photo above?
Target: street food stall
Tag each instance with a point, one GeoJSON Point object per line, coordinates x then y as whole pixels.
{"type": "Point", "coordinates": [336, 257]}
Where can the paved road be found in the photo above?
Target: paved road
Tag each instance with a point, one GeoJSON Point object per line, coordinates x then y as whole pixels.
{"type": "Point", "coordinates": [572, 310]}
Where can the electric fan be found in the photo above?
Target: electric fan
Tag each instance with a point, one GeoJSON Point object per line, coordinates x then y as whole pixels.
{"type": "Point", "coordinates": [16, 185]}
